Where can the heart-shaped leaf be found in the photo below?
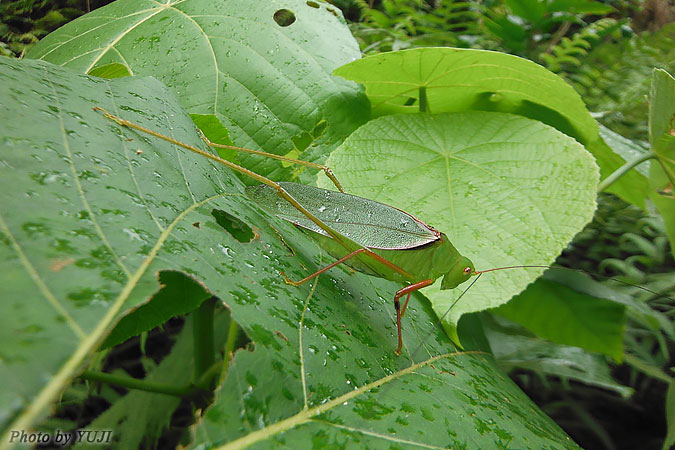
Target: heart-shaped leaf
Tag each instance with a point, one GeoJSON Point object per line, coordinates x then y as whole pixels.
{"type": "Point", "coordinates": [452, 80]}
{"type": "Point", "coordinates": [91, 213]}
{"type": "Point", "coordinates": [266, 82]}
{"type": "Point", "coordinates": [507, 190]}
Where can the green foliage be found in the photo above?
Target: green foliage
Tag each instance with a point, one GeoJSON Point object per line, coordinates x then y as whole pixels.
{"type": "Point", "coordinates": [264, 82]}
{"type": "Point", "coordinates": [569, 53]}
{"type": "Point", "coordinates": [463, 79]}
{"type": "Point", "coordinates": [568, 309]}
{"type": "Point", "coordinates": [518, 350]}
{"type": "Point", "coordinates": [140, 418]}
{"type": "Point", "coordinates": [662, 139]}
{"type": "Point", "coordinates": [140, 207]}
{"type": "Point", "coordinates": [523, 26]}
{"type": "Point", "coordinates": [322, 372]}
{"type": "Point", "coordinates": [399, 24]}
{"type": "Point", "coordinates": [123, 228]}
{"type": "Point", "coordinates": [615, 78]}
{"type": "Point", "coordinates": [24, 22]}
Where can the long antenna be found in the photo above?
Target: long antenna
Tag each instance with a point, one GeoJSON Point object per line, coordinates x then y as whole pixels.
{"type": "Point", "coordinates": [607, 277]}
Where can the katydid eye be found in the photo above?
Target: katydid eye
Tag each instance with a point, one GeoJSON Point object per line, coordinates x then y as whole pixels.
{"type": "Point", "coordinates": [467, 270]}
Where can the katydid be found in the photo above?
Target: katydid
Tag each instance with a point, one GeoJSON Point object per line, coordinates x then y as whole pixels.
{"type": "Point", "coordinates": [368, 236]}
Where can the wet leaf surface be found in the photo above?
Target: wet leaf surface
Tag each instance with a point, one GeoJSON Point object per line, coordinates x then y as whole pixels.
{"type": "Point", "coordinates": [90, 215]}
{"type": "Point", "coordinates": [265, 82]}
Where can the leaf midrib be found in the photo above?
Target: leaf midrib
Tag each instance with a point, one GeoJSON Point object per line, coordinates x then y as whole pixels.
{"type": "Point", "coordinates": [63, 376]}
{"type": "Point", "coordinates": [306, 415]}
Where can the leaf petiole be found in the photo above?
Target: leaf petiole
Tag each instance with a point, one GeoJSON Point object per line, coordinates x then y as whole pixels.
{"type": "Point", "coordinates": [618, 173]}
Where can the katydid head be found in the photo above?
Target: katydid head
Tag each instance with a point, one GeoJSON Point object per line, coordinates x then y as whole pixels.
{"type": "Point", "coordinates": [458, 273]}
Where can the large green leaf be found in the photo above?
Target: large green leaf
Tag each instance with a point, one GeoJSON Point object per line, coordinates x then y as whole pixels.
{"type": "Point", "coordinates": [465, 79]}
{"type": "Point", "coordinates": [265, 82]}
{"type": "Point", "coordinates": [454, 80]}
{"type": "Point", "coordinates": [92, 213]}
{"type": "Point", "coordinates": [507, 190]}
{"type": "Point", "coordinates": [456, 401]}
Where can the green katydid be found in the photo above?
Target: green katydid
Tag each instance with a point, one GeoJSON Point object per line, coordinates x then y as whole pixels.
{"type": "Point", "coordinates": [351, 229]}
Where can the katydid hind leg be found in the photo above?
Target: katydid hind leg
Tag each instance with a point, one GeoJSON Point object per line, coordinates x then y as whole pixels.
{"type": "Point", "coordinates": [244, 171]}
{"type": "Point", "coordinates": [327, 170]}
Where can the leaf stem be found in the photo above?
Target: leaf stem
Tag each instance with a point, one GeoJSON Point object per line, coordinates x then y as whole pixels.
{"type": "Point", "coordinates": [135, 383]}
{"type": "Point", "coordinates": [424, 103]}
{"type": "Point", "coordinates": [232, 334]}
{"type": "Point", "coordinates": [202, 338]}
{"type": "Point", "coordinates": [618, 173]}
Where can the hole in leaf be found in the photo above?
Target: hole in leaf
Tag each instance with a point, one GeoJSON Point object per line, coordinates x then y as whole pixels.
{"type": "Point", "coordinates": [197, 225]}
{"type": "Point", "coordinates": [238, 229]}
{"type": "Point", "coordinates": [179, 294]}
{"type": "Point", "coordinates": [411, 101]}
{"type": "Point", "coordinates": [313, 4]}
{"type": "Point", "coordinates": [301, 141]}
{"type": "Point", "coordinates": [319, 128]}
{"type": "Point", "coordinates": [284, 17]}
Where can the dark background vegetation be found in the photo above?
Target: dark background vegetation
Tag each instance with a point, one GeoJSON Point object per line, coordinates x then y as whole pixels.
{"type": "Point", "coordinates": [606, 50]}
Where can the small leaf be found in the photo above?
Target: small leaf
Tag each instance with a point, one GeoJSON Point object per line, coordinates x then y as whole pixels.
{"type": "Point", "coordinates": [627, 149]}
{"type": "Point", "coordinates": [670, 417]}
{"type": "Point", "coordinates": [515, 348]}
{"type": "Point", "coordinates": [662, 120]}
{"type": "Point", "coordinates": [179, 295]}
{"type": "Point", "coordinates": [531, 10]}
{"type": "Point", "coordinates": [662, 138]}
{"type": "Point", "coordinates": [140, 417]}
{"type": "Point", "coordinates": [216, 132]}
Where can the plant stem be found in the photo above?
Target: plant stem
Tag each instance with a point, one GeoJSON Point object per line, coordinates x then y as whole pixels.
{"type": "Point", "coordinates": [618, 173]}
{"type": "Point", "coordinates": [232, 333]}
{"type": "Point", "coordinates": [424, 104]}
{"type": "Point", "coordinates": [202, 337]}
{"type": "Point", "coordinates": [135, 383]}
{"type": "Point", "coordinates": [557, 36]}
